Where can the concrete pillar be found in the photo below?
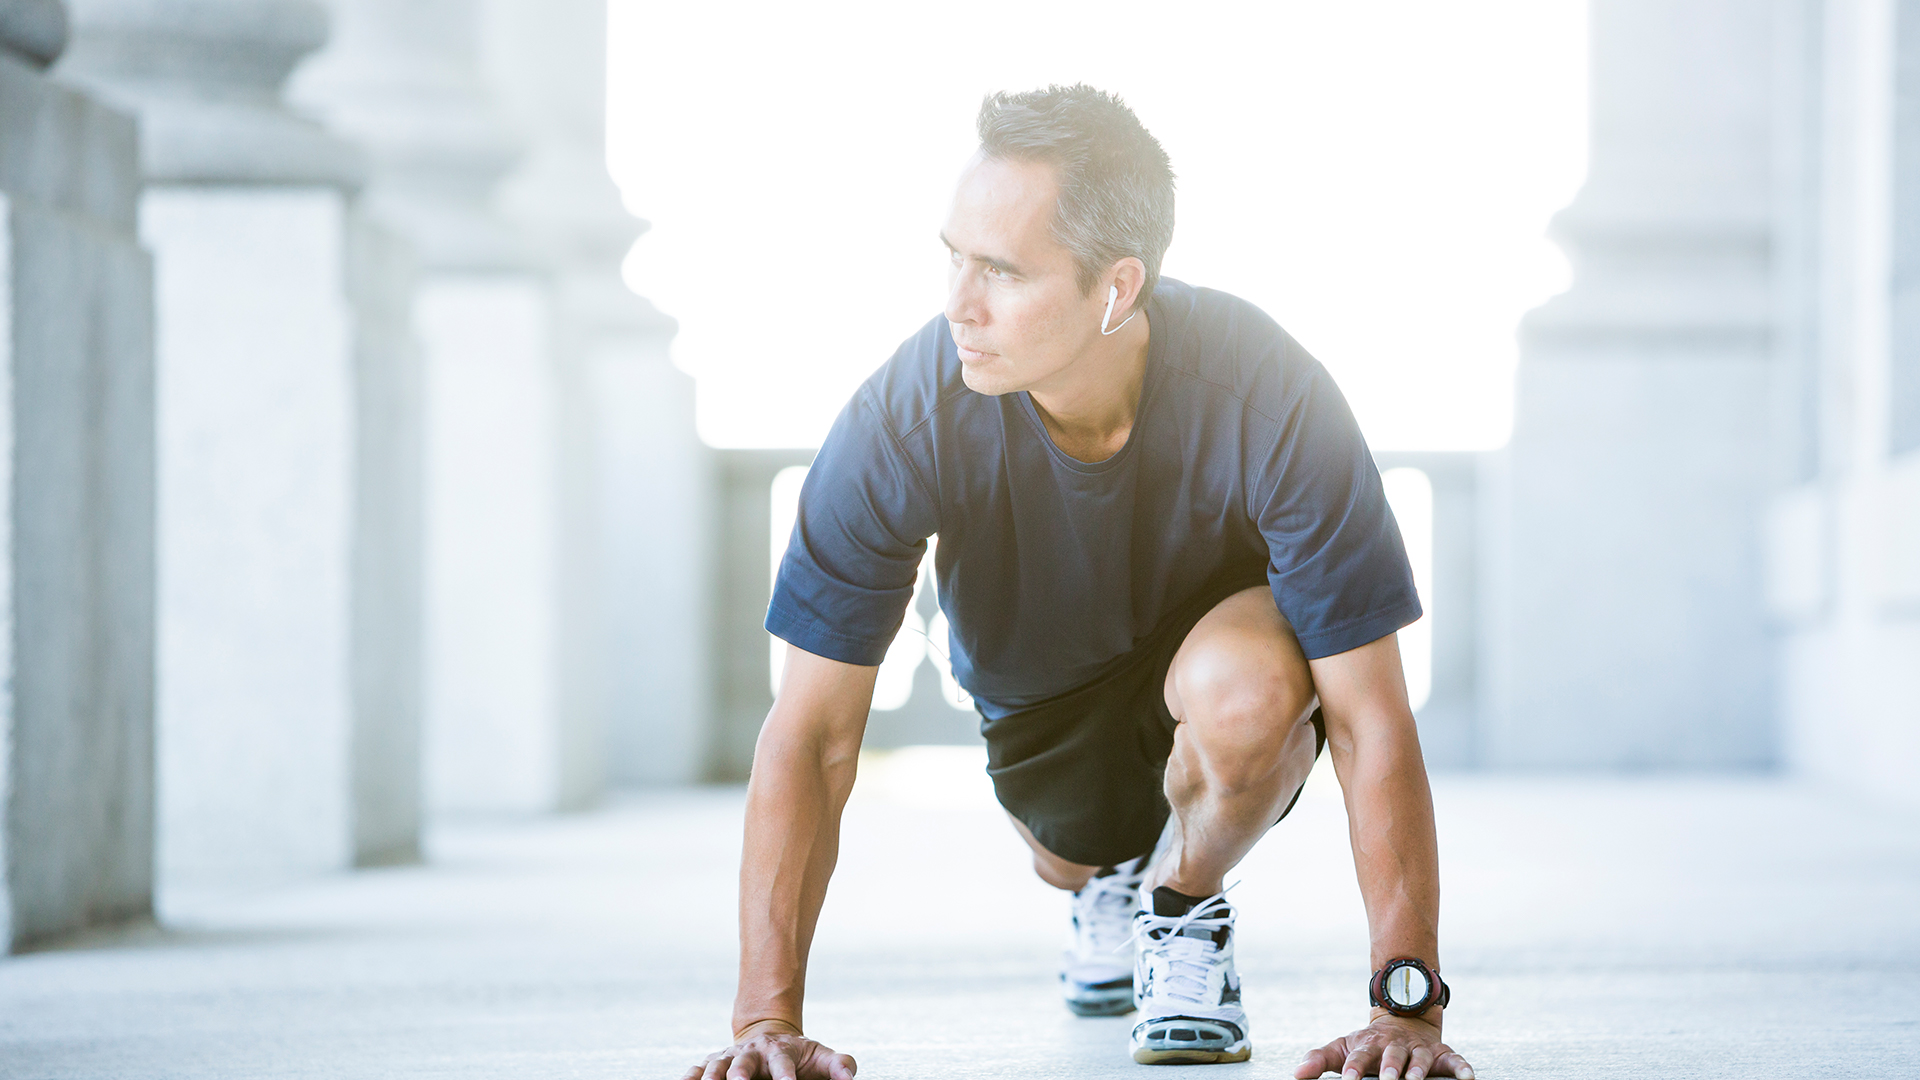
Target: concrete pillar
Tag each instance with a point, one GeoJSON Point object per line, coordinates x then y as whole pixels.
{"type": "Point", "coordinates": [636, 492]}
{"type": "Point", "coordinates": [405, 81]}
{"type": "Point", "coordinates": [1844, 545]}
{"type": "Point", "coordinates": [389, 544]}
{"type": "Point", "coordinates": [76, 481]}
{"type": "Point", "coordinates": [1625, 626]}
{"type": "Point", "coordinates": [660, 498]}
{"type": "Point", "coordinates": [269, 410]}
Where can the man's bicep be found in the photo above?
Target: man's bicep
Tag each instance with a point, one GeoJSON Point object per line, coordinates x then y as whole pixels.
{"type": "Point", "coordinates": [823, 698]}
{"type": "Point", "coordinates": [1362, 687]}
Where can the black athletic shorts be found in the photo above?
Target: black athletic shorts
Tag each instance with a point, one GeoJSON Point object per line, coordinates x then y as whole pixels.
{"type": "Point", "coordinates": [1086, 771]}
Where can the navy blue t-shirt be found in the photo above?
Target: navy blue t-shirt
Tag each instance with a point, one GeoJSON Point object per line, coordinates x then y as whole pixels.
{"type": "Point", "coordinates": [1243, 460]}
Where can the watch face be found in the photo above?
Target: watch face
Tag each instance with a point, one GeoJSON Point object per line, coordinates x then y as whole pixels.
{"type": "Point", "coordinates": [1407, 986]}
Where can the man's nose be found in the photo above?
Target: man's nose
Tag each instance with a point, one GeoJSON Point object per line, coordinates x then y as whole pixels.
{"type": "Point", "coordinates": [963, 297]}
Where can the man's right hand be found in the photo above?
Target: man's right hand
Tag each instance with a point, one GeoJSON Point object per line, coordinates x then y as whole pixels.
{"type": "Point", "coordinates": [773, 1050]}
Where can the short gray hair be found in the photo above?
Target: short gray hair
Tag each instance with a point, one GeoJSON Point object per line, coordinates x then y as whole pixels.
{"type": "Point", "coordinates": [1116, 183]}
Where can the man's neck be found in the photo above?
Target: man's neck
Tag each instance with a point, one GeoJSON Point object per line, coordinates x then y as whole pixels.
{"type": "Point", "coordinates": [1089, 407]}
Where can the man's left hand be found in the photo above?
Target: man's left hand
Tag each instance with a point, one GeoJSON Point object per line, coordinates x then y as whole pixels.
{"type": "Point", "coordinates": [1392, 1047]}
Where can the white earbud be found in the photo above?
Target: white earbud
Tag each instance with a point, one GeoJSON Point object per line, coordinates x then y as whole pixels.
{"type": "Point", "coordinates": [1113, 293]}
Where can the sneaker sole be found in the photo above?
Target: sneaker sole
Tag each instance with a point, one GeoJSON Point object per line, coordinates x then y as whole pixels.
{"type": "Point", "coordinates": [1113, 998]}
{"type": "Point", "coordinates": [1113, 1007]}
{"type": "Point", "coordinates": [1214, 1042]}
{"type": "Point", "coordinates": [1144, 1056]}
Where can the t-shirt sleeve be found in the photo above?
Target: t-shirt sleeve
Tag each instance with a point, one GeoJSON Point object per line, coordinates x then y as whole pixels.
{"type": "Point", "coordinates": [858, 536]}
{"type": "Point", "coordinates": [1336, 562]}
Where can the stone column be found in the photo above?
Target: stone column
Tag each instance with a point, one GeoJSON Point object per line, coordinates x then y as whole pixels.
{"type": "Point", "coordinates": [637, 502]}
{"type": "Point", "coordinates": [404, 80]}
{"type": "Point", "coordinates": [269, 410]}
{"type": "Point", "coordinates": [1844, 543]}
{"type": "Point", "coordinates": [1626, 627]}
{"type": "Point", "coordinates": [76, 482]}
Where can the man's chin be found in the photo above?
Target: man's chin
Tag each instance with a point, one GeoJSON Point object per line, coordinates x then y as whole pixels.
{"type": "Point", "coordinates": [981, 380]}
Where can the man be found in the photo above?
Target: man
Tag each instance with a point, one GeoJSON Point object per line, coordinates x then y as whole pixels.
{"type": "Point", "coordinates": [1171, 577]}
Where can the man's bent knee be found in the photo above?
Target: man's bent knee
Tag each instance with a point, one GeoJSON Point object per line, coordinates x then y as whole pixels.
{"type": "Point", "coordinates": [1243, 642]}
{"type": "Point", "coordinates": [1242, 680]}
{"type": "Point", "coordinates": [1251, 754]}
{"type": "Point", "coordinates": [1246, 706]}
{"type": "Point", "coordinates": [1241, 691]}
{"type": "Point", "coordinates": [1053, 869]}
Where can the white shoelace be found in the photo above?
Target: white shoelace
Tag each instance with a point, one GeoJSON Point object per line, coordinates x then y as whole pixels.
{"type": "Point", "coordinates": [1189, 960]}
{"type": "Point", "coordinates": [1104, 907]}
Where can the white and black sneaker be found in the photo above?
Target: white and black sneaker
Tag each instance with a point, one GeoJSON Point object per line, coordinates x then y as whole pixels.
{"type": "Point", "coordinates": [1096, 976]}
{"type": "Point", "coordinates": [1185, 985]}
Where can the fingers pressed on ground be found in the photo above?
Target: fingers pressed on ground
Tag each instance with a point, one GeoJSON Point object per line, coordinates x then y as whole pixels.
{"type": "Point", "coordinates": [1454, 1064]}
{"type": "Point", "coordinates": [1419, 1063]}
{"type": "Point", "coordinates": [842, 1067]}
{"type": "Point", "coordinates": [745, 1066]}
{"type": "Point", "coordinates": [716, 1066]}
{"type": "Point", "coordinates": [1324, 1060]}
{"type": "Point", "coordinates": [1359, 1063]}
{"type": "Point", "coordinates": [780, 1065]}
{"type": "Point", "coordinates": [1393, 1062]}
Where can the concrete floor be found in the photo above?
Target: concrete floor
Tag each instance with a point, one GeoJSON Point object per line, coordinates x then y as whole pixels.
{"type": "Point", "coordinates": [1593, 927]}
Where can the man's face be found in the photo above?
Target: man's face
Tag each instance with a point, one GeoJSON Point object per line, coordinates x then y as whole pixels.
{"type": "Point", "coordinates": [1016, 310]}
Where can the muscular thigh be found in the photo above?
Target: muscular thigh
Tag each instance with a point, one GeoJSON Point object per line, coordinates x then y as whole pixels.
{"type": "Point", "coordinates": [1240, 661]}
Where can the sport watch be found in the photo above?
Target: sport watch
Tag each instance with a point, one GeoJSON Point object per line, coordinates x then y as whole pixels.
{"type": "Point", "coordinates": [1407, 987]}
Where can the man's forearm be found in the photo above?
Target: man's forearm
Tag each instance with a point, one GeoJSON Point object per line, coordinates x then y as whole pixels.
{"type": "Point", "coordinates": [1395, 854]}
{"type": "Point", "coordinates": [799, 786]}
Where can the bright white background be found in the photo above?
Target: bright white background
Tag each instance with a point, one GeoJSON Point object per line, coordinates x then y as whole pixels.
{"type": "Point", "coordinates": [1377, 174]}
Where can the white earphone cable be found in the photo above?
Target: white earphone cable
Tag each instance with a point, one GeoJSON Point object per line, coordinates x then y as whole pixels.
{"type": "Point", "coordinates": [1113, 293]}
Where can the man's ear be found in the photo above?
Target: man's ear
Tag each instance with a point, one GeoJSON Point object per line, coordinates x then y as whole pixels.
{"type": "Point", "coordinates": [1129, 277]}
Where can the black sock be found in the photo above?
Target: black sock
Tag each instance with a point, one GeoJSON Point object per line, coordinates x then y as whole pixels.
{"type": "Point", "coordinates": [1131, 866]}
{"type": "Point", "coordinates": [1167, 902]}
